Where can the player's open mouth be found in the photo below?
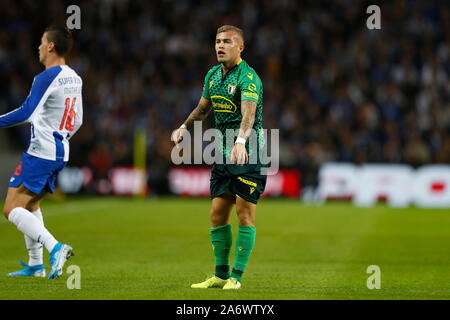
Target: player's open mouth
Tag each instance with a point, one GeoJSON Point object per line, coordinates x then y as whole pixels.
{"type": "Point", "coordinates": [220, 53]}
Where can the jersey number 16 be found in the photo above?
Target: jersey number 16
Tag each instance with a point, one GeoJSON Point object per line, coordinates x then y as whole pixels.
{"type": "Point", "coordinates": [69, 116]}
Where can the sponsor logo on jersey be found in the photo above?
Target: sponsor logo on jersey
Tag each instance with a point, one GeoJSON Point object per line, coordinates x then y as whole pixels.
{"type": "Point", "coordinates": [250, 76]}
{"type": "Point", "coordinates": [222, 104]}
{"type": "Point", "coordinates": [252, 87]}
{"type": "Point", "coordinates": [250, 95]}
{"type": "Point", "coordinates": [250, 183]}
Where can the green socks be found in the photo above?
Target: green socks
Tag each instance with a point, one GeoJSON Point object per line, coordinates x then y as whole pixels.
{"type": "Point", "coordinates": [221, 239]}
{"type": "Point", "coordinates": [244, 246]}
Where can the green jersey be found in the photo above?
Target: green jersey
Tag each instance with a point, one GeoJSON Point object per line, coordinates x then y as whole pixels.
{"type": "Point", "coordinates": [226, 92]}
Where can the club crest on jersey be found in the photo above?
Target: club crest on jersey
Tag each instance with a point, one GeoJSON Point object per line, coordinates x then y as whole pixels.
{"type": "Point", "coordinates": [231, 89]}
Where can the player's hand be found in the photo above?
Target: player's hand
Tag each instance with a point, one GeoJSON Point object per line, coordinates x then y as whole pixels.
{"type": "Point", "coordinates": [239, 154]}
{"type": "Point", "coordinates": [177, 135]}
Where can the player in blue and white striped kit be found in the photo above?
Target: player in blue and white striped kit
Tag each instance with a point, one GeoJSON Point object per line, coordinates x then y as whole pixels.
{"type": "Point", "coordinates": [55, 110]}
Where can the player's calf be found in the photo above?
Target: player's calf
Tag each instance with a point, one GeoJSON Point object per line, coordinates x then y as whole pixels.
{"type": "Point", "coordinates": [6, 212]}
{"type": "Point", "coordinates": [8, 208]}
{"type": "Point", "coordinates": [19, 197]}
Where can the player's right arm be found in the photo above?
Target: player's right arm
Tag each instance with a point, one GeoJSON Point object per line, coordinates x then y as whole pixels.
{"type": "Point", "coordinates": [198, 114]}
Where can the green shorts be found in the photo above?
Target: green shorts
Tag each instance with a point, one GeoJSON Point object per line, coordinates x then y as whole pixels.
{"type": "Point", "coordinates": [246, 181]}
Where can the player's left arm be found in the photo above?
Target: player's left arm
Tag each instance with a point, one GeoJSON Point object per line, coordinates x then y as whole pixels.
{"type": "Point", "coordinates": [251, 87]}
{"type": "Point", "coordinates": [19, 115]}
{"type": "Point", "coordinates": [248, 111]}
{"type": "Point", "coordinates": [239, 153]}
{"type": "Point", "coordinates": [39, 92]}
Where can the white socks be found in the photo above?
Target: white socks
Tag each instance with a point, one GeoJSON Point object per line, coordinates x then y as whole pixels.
{"type": "Point", "coordinates": [32, 227]}
{"type": "Point", "coordinates": [35, 249]}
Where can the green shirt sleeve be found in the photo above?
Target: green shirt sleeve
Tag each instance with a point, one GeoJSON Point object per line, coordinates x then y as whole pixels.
{"type": "Point", "coordinates": [207, 85]}
{"type": "Point", "coordinates": [250, 87]}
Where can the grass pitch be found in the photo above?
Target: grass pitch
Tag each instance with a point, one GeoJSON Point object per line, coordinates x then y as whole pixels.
{"type": "Point", "coordinates": [155, 248]}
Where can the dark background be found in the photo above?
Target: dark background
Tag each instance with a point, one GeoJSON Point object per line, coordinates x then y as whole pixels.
{"type": "Point", "coordinates": [336, 90]}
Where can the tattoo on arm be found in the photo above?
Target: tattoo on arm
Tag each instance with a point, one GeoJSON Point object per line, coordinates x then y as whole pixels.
{"type": "Point", "coordinates": [199, 113]}
{"type": "Point", "coordinates": [248, 110]}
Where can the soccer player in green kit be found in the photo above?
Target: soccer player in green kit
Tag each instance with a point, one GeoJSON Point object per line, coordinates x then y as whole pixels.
{"type": "Point", "coordinates": [233, 90]}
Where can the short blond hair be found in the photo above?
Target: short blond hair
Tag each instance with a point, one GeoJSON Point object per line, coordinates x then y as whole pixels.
{"type": "Point", "coordinates": [228, 27]}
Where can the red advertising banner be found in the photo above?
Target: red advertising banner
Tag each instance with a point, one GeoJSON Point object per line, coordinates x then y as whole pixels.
{"type": "Point", "coordinates": [194, 182]}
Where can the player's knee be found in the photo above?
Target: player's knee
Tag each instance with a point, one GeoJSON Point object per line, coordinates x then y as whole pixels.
{"type": "Point", "coordinates": [217, 218]}
{"type": "Point", "coordinates": [246, 221]}
{"type": "Point", "coordinates": [245, 217]}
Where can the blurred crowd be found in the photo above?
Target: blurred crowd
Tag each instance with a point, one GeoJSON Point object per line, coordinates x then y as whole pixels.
{"type": "Point", "coordinates": [336, 90]}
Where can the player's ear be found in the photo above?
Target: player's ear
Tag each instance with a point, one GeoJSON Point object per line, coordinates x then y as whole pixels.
{"type": "Point", "coordinates": [51, 47]}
